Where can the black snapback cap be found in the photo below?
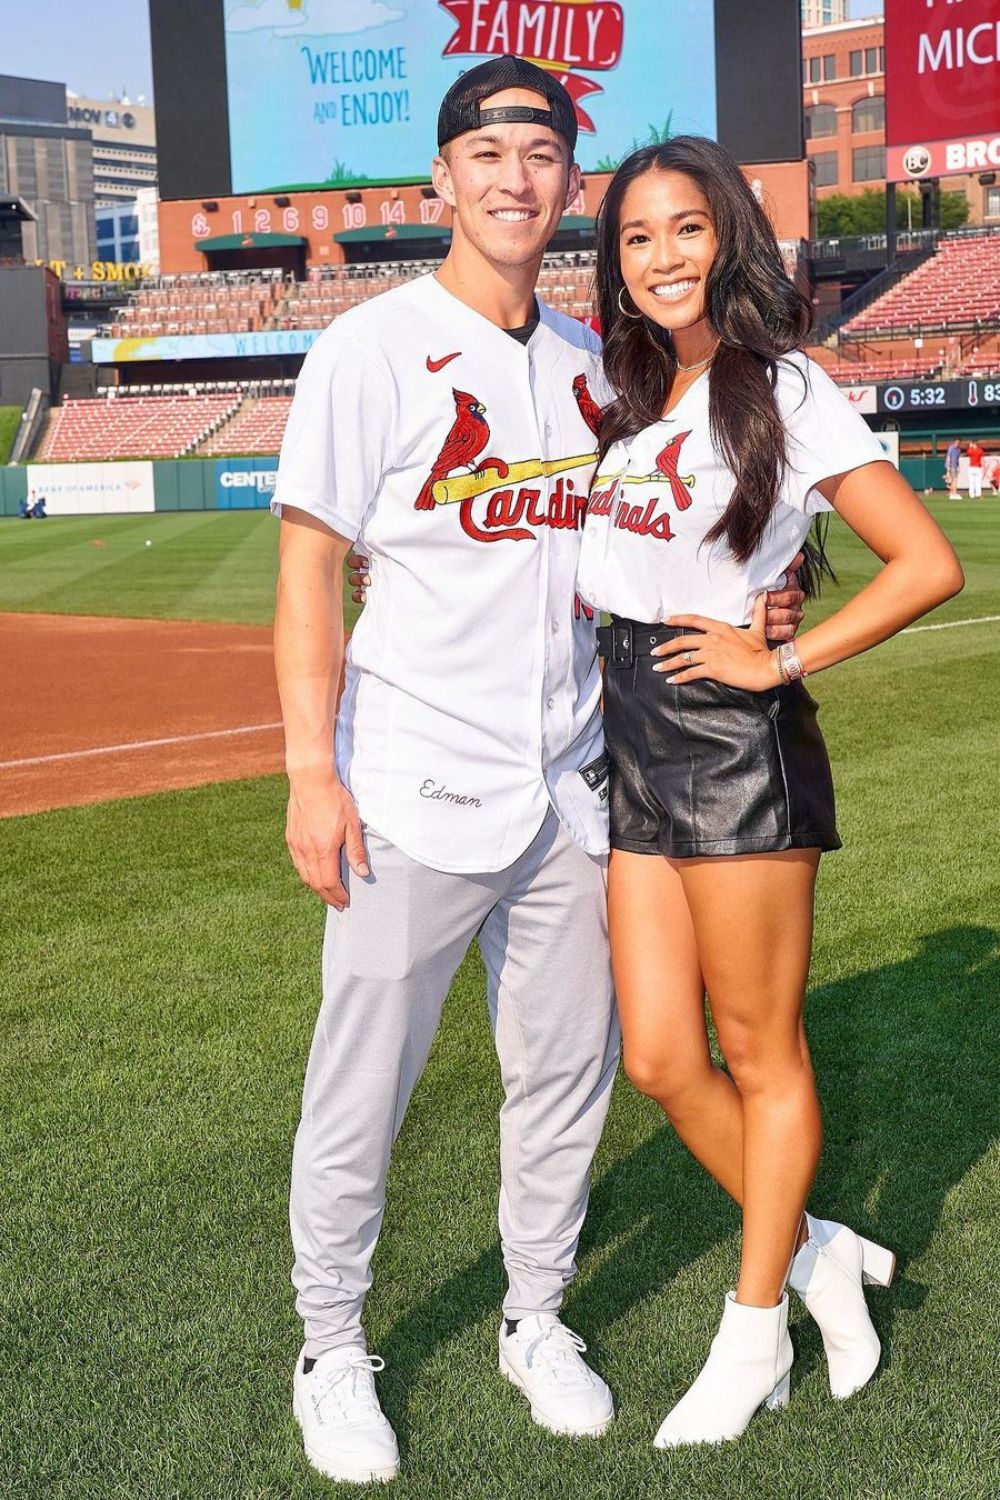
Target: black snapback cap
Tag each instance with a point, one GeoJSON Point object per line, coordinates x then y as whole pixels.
{"type": "Point", "coordinates": [460, 108]}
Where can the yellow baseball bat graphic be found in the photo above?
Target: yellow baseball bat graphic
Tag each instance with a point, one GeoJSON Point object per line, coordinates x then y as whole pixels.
{"type": "Point", "coordinates": [468, 486]}
{"type": "Point", "coordinates": [657, 478]}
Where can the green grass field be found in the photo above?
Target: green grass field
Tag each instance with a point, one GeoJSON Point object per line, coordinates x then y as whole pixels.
{"type": "Point", "coordinates": [160, 985]}
{"type": "Point", "coordinates": [10, 420]}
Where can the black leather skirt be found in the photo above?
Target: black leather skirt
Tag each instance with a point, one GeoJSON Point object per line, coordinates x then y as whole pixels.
{"type": "Point", "coordinates": [699, 768]}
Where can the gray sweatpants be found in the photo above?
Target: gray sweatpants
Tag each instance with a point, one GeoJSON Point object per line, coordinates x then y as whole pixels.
{"type": "Point", "coordinates": [388, 963]}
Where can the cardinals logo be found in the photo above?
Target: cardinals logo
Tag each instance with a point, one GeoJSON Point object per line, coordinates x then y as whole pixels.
{"type": "Point", "coordinates": [589, 409]}
{"type": "Point", "coordinates": [645, 520]}
{"type": "Point", "coordinates": [468, 437]}
{"type": "Point", "coordinates": [506, 507]}
{"type": "Point", "coordinates": [667, 461]}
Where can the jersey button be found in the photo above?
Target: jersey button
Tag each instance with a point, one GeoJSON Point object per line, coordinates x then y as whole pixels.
{"type": "Point", "coordinates": [555, 627]}
{"type": "Point", "coordinates": [550, 704]}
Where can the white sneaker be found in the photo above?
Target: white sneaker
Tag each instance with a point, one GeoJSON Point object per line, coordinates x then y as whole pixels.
{"type": "Point", "coordinates": [542, 1358]}
{"type": "Point", "coordinates": [347, 1436]}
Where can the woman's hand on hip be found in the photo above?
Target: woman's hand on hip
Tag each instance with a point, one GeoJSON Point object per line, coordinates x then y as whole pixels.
{"type": "Point", "coordinates": [739, 658]}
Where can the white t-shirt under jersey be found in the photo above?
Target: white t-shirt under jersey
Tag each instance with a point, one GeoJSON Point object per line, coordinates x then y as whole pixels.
{"type": "Point", "coordinates": [644, 554]}
{"type": "Point", "coordinates": [460, 460]}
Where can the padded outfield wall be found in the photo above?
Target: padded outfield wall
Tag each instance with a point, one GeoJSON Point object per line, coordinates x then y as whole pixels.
{"type": "Point", "coordinates": [133, 487]}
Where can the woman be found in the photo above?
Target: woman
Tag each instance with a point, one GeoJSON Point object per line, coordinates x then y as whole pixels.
{"type": "Point", "coordinates": [722, 445]}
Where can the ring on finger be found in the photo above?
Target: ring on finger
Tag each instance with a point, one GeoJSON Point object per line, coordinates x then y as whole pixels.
{"type": "Point", "coordinates": [689, 656]}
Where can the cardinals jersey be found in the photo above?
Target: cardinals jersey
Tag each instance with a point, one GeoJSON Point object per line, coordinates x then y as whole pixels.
{"type": "Point", "coordinates": [644, 553]}
{"type": "Point", "coordinates": [460, 461]}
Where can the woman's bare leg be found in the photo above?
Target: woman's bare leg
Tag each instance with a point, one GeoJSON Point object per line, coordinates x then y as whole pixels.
{"type": "Point", "coordinates": [752, 918]}
{"type": "Point", "coordinates": [661, 1002]}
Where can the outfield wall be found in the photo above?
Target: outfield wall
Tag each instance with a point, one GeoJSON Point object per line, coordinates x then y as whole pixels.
{"type": "Point", "coordinates": [131, 487]}
{"type": "Point", "coordinates": [211, 484]}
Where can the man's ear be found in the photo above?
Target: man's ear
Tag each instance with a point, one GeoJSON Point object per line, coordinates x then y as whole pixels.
{"type": "Point", "coordinates": [441, 178]}
{"type": "Point", "coordinates": [573, 186]}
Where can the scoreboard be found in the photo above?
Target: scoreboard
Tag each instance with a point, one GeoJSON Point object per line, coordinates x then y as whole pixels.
{"type": "Point", "coordinates": [937, 395]}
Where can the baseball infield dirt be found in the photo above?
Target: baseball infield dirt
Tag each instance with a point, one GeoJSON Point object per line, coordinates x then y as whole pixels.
{"type": "Point", "coordinates": [93, 709]}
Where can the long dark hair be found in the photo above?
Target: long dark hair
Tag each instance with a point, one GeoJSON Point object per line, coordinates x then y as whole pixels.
{"type": "Point", "coordinates": [758, 316]}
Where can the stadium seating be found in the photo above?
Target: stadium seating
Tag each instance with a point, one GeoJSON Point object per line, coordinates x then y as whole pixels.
{"type": "Point", "coordinates": [127, 426]}
{"type": "Point", "coordinates": [213, 302]}
{"type": "Point", "coordinates": [249, 302]}
{"type": "Point", "coordinates": [566, 283]}
{"type": "Point", "coordinates": [958, 287]}
{"type": "Point", "coordinates": [257, 427]}
{"type": "Point", "coordinates": [981, 364]}
{"type": "Point", "coordinates": [900, 367]}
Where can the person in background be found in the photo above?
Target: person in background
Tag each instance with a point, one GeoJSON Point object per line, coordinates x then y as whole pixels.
{"type": "Point", "coordinates": [975, 470]}
{"type": "Point", "coordinates": [991, 473]}
{"type": "Point", "coordinates": [953, 458]}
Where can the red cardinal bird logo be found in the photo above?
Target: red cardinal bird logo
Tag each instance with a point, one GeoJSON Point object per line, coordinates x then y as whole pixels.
{"type": "Point", "coordinates": [470, 432]}
{"type": "Point", "coordinates": [589, 409]}
{"type": "Point", "coordinates": [667, 461]}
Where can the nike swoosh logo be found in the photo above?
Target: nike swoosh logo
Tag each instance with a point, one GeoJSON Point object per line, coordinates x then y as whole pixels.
{"type": "Point", "coordinates": [438, 364]}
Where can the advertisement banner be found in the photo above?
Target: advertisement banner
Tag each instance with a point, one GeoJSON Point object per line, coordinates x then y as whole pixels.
{"type": "Point", "coordinates": [890, 446]}
{"type": "Point", "coordinates": [93, 489]}
{"type": "Point", "coordinates": [862, 398]}
{"type": "Point", "coordinates": [203, 346]}
{"type": "Point", "coordinates": [245, 483]}
{"type": "Point", "coordinates": [942, 158]}
{"type": "Point", "coordinates": [942, 87]}
{"type": "Point", "coordinates": [339, 93]}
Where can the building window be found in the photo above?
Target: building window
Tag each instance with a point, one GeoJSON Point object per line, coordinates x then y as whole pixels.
{"type": "Point", "coordinates": [992, 206]}
{"type": "Point", "coordinates": [881, 59]}
{"type": "Point", "coordinates": [829, 67]}
{"type": "Point", "coordinates": [869, 163]}
{"type": "Point", "coordinates": [871, 59]}
{"type": "Point", "coordinates": [821, 120]}
{"type": "Point", "coordinates": [857, 64]}
{"type": "Point", "coordinates": [826, 168]}
{"type": "Point", "coordinates": [814, 70]}
{"type": "Point", "coordinates": [869, 114]}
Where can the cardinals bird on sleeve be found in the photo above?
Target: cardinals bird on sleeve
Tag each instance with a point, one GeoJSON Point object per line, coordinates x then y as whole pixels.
{"type": "Point", "coordinates": [589, 409]}
{"type": "Point", "coordinates": [470, 432]}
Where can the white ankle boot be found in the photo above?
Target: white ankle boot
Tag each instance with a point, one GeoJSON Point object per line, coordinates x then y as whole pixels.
{"type": "Point", "coordinates": [829, 1272]}
{"type": "Point", "coordinates": [747, 1368]}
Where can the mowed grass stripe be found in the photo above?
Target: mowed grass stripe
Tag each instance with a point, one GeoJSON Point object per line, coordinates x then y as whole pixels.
{"type": "Point", "coordinates": [219, 565]}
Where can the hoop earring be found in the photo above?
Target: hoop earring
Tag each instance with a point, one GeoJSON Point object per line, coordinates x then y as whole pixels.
{"type": "Point", "coordinates": [633, 317]}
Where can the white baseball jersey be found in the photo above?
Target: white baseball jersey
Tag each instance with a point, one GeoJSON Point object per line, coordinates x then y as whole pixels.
{"type": "Point", "coordinates": [644, 554]}
{"type": "Point", "coordinates": [460, 461]}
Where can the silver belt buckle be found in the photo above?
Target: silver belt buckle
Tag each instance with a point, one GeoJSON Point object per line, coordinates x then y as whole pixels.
{"type": "Point", "coordinates": [622, 653]}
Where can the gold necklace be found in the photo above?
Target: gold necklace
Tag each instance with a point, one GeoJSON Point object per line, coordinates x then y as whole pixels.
{"type": "Point", "coordinates": [698, 364]}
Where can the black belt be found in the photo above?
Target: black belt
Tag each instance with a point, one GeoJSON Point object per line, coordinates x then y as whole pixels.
{"type": "Point", "coordinates": [623, 640]}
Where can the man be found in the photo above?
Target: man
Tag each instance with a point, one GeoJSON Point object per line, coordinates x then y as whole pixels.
{"type": "Point", "coordinates": [975, 470]}
{"type": "Point", "coordinates": [447, 427]}
{"type": "Point", "coordinates": [953, 458]}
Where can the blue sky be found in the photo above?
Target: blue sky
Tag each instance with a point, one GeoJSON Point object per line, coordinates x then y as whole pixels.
{"type": "Point", "coordinates": [95, 49]}
{"type": "Point", "coordinates": [100, 49]}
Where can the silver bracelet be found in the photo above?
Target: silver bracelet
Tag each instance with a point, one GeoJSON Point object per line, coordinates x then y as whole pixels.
{"type": "Point", "coordinates": [789, 666]}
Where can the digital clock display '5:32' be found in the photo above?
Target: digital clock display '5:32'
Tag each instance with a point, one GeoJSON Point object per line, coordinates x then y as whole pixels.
{"type": "Point", "coordinates": [920, 395]}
